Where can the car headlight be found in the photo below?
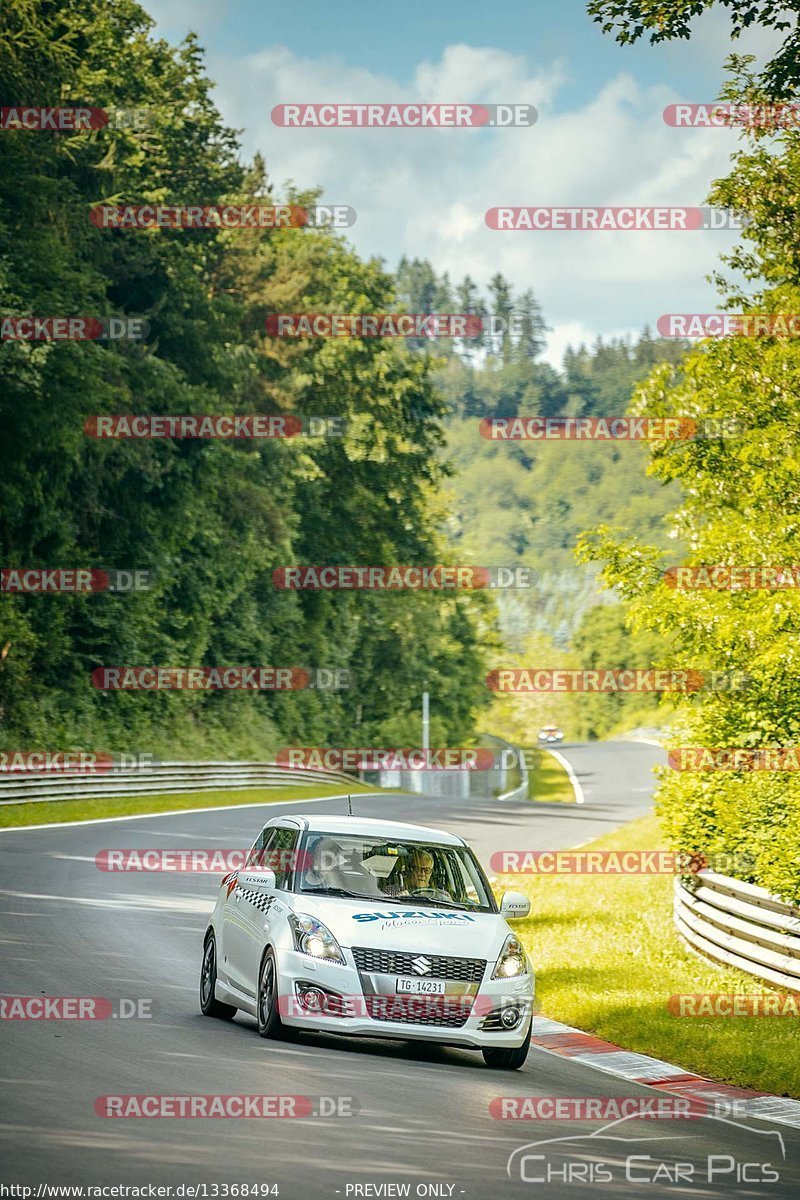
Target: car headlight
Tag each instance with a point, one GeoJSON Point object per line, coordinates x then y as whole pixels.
{"type": "Point", "coordinates": [314, 938]}
{"type": "Point", "coordinates": [512, 960]}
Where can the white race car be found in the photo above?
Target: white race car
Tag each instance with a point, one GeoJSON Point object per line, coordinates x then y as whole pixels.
{"type": "Point", "coordinates": [369, 928]}
{"type": "Point", "coordinates": [550, 733]}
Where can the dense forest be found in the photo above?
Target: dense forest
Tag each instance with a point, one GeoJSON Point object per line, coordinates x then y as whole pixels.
{"type": "Point", "coordinates": [409, 481]}
{"type": "Point", "coordinates": [526, 503]}
{"type": "Point", "coordinates": [209, 519]}
{"type": "Point", "coordinates": [741, 494]}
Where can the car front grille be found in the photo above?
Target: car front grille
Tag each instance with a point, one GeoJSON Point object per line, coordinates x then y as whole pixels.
{"type": "Point", "coordinates": [399, 962]}
{"type": "Point", "coordinates": [444, 1012]}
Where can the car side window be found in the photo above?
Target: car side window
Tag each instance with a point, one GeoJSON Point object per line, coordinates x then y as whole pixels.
{"type": "Point", "coordinates": [255, 858]}
{"type": "Point", "coordinates": [279, 854]}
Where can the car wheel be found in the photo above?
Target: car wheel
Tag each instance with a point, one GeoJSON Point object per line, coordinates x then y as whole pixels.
{"type": "Point", "coordinates": [268, 1016]}
{"type": "Point", "coordinates": [209, 1005]}
{"type": "Point", "coordinates": [508, 1060]}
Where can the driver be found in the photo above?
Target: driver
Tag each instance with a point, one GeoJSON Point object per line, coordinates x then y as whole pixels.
{"type": "Point", "coordinates": [419, 870]}
{"type": "Point", "coordinates": [418, 875]}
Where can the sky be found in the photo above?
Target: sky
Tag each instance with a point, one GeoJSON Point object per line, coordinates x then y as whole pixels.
{"type": "Point", "coordinates": [600, 139]}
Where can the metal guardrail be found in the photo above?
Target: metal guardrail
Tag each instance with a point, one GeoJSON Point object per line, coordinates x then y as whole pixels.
{"type": "Point", "coordinates": [740, 925]}
{"type": "Point", "coordinates": [176, 777]}
{"type": "Point", "coordinates": [498, 783]}
{"type": "Point", "coordinates": [511, 774]}
{"type": "Point", "coordinates": [165, 777]}
{"type": "Point", "coordinates": [517, 793]}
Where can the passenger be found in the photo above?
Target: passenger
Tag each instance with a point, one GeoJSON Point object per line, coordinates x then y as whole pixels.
{"type": "Point", "coordinates": [326, 857]}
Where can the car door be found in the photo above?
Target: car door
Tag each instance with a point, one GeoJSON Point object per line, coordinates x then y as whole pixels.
{"type": "Point", "coordinates": [235, 936]}
{"type": "Point", "coordinates": [253, 912]}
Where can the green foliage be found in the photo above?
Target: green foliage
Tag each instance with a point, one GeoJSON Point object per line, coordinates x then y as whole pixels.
{"type": "Point", "coordinates": [740, 508]}
{"type": "Point", "coordinates": [665, 20]}
{"type": "Point", "coordinates": [619, 985]}
{"type": "Point", "coordinates": [741, 494]}
{"type": "Point", "coordinates": [525, 503]}
{"type": "Point", "coordinates": [210, 519]}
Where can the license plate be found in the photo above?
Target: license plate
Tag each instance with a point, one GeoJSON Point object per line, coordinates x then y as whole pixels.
{"type": "Point", "coordinates": [427, 987]}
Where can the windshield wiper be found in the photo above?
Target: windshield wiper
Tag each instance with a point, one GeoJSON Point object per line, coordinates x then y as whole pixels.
{"type": "Point", "coordinates": [430, 902]}
{"type": "Point", "coordinates": [337, 891]}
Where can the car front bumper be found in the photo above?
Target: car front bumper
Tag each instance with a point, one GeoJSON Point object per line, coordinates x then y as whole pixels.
{"type": "Point", "coordinates": [469, 1015]}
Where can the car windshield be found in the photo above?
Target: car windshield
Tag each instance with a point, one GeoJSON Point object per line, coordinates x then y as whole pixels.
{"type": "Point", "coordinates": [400, 871]}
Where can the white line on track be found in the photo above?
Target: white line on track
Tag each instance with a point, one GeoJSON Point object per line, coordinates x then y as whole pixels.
{"type": "Point", "coordinates": [576, 787]}
{"type": "Point", "coordinates": [179, 812]}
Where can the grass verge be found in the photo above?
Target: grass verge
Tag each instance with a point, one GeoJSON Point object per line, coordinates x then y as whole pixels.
{"type": "Point", "coordinates": [548, 781]}
{"type": "Point", "coordinates": [608, 957]}
{"type": "Point", "coordinates": [93, 807]}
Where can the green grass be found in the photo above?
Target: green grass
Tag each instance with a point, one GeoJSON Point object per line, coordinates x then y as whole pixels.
{"type": "Point", "coordinates": [90, 808]}
{"type": "Point", "coordinates": [548, 780]}
{"type": "Point", "coordinates": [607, 958]}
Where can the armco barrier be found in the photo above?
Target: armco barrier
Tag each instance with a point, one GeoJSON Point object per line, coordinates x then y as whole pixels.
{"type": "Point", "coordinates": [507, 780]}
{"type": "Point", "coordinates": [166, 777]}
{"type": "Point", "coordinates": [742, 926]}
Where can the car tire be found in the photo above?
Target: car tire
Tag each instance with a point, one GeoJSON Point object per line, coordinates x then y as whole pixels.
{"type": "Point", "coordinates": [209, 1005]}
{"type": "Point", "coordinates": [503, 1059]}
{"type": "Point", "coordinates": [269, 1020]}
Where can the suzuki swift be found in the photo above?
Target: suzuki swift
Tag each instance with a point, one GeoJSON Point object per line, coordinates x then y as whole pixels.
{"type": "Point", "coordinates": [371, 929]}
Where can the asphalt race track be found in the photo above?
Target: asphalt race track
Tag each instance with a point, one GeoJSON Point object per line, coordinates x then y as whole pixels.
{"type": "Point", "coordinates": [70, 929]}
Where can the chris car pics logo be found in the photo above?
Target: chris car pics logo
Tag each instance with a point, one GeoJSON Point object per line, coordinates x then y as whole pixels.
{"type": "Point", "coordinates": [616, 1153]}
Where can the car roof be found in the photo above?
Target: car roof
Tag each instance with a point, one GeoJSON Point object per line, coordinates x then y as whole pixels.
{"type": "Point", "coordinates": [373, 828]}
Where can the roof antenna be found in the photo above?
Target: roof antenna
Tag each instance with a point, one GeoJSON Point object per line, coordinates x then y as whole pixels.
{"type": "Point", "coordinates": [349, 806]}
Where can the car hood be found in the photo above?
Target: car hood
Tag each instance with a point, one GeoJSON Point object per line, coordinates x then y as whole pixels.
{"type": "Point", "coordinates": [404, 927]}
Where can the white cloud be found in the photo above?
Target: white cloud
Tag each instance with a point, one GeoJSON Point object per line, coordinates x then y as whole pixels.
{"type": "Point", "coordinates": [424, 192]}
{"type": "Point", "coordinates": [574, 334]}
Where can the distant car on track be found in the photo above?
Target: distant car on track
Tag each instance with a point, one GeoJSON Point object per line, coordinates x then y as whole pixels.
{"type": "Point", "coordinates": [369, 928]}
{"type": "Point", "coordinates": [550, 733]}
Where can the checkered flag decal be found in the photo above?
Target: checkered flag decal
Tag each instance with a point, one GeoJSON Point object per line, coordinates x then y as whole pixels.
{"type": "Point", "coordinates": [257, 899]}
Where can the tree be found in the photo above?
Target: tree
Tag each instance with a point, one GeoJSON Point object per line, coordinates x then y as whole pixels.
{"type": "Point", "coordinates": [532, 340]}
{"type": "Point", "coordinates": [211, 519]}
{"type": "Point", "coordinates": [502, 307]}
{"type": "Point", "coordinates": [630, 20]}
{"type": "Point", "coordinates": [740, 503]}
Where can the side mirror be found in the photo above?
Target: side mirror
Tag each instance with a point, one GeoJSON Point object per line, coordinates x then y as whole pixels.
{"type": "Point", "coordinates": [513, 906]}
{"type": "Point", "coordinates": [258, 879]}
